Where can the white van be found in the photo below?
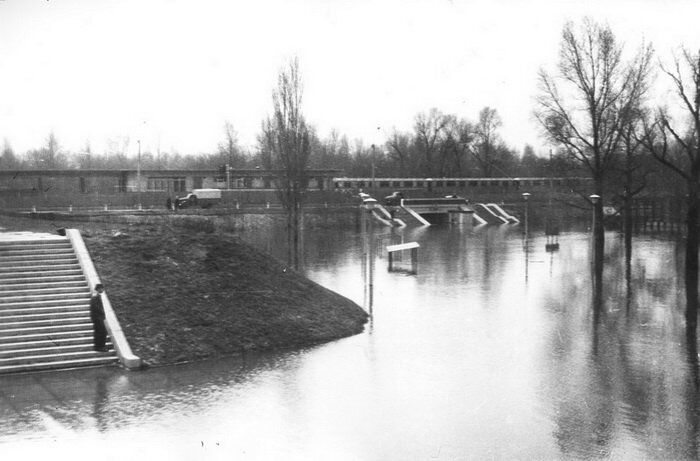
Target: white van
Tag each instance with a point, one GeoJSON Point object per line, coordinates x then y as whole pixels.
{"type": "Point", "coordinates": [204, 198]}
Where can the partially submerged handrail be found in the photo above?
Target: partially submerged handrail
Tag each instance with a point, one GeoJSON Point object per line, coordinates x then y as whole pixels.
{"type": "Point", "coordinates": [121, 345]}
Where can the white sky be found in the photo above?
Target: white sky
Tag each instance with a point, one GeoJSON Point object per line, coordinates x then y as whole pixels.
{"type": "Point", "coordinates": [171, 72]}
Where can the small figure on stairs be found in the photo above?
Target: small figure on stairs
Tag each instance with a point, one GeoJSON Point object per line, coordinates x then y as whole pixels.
{"type": "Point", "coordinates": [97, 315]}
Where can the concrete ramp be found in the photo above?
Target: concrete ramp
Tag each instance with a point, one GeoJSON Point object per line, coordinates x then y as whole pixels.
{"type": "Point", "coordinates": [489, 215]}
{"type": "Point", "coordinates": [383, 215]}
{"type": "Point", "coordinates": [503, 213]}
{"type": "Point", "coordinates": [418, 217]}
{"type": "Point", "coordinates": [479, 220]}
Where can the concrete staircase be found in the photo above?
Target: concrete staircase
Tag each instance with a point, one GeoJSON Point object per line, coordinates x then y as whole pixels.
{"type": "Point", "coordinates": [44, 306]}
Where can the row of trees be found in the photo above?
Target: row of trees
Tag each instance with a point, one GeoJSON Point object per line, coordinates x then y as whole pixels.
{"type": "Point", "coordinates": [596, 108]}
{"type": "Point", "coordinates": [439, 145]}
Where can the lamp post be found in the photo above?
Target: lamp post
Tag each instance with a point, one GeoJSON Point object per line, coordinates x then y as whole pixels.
{"type": "Point", "coordinates": [526, 196]}
{"type": "Point", "coordinates": [367, 206]}
{"type": "Point", "coordinates": [138, 175]}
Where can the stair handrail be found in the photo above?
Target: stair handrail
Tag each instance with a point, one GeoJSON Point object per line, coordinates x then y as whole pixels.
{"type": "Point", "coordinates": [121, 345]}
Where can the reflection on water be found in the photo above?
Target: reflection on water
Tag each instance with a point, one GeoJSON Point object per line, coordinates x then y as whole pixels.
{"type": "Point", "coordinates": [495, 349]}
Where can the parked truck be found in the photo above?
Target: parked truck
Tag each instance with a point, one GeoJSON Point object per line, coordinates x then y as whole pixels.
{"type": "Point", "coordinates": [204, 198]}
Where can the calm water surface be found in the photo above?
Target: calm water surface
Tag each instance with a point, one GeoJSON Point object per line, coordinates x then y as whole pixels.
{"type": "Point", "coordinates": [494, 350]}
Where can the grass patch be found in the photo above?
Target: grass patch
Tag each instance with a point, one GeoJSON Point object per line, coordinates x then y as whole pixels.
{"type": "Point", "coordinates": [183, 292]}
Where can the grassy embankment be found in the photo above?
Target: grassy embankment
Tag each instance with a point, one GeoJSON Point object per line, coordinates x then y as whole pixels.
{"type": "Point", "coordinates": [185, 294]}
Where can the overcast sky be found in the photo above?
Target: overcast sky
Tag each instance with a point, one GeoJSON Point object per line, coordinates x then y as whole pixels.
{"type": "Point", "coordinates": [171, 72]}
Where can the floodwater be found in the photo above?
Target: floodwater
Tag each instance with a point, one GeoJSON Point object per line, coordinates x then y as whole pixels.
{"type": "Point", "coordinates": [494, 350]}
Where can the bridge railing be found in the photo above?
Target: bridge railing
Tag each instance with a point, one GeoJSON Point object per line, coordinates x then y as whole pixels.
{"type": "Point", "coordinates": [434, 201]}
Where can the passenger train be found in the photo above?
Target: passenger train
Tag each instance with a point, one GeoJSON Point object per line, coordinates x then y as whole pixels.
{"type": "Point", "coordinates": [450, 184]}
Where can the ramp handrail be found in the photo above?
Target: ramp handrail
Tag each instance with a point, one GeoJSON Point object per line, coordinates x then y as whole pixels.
{"type": "Point", "coordinates": [503, 212]}
{"type": "Point", "coordinates": [486, 207]}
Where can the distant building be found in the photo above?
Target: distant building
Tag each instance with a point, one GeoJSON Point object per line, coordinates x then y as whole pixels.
{"type": "Point", "coordinates": [110, 182]}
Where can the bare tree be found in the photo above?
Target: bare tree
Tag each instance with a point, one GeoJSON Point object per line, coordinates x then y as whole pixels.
{"type": "Point", "coordinates": [454, 144]}
{"type": "Point", "coordinates": [676, 144]}
{"type": "Point", "coordinates": [584, 106]}
{"type": "Point", "coordinates": [287, 147]}
{"type": "Point", "coordinates": [428, 128]}
{"type": "Point", "coordinates": [486, 139]}
{"type": "Point", "coordinates": [229, 149]}
{"type": "Point", "coordinates": [8, 159]}
{"type": "Point", "coordinates": [49, 156]}
{"type": "Point", "coordinates": [399, 145]}
{"type": "Point", "coordinates": [633, 169]}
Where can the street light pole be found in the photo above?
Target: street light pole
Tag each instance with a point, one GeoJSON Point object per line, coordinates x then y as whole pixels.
{"type": "Point", "coordinates": [526, 196]}
{"type": "Point", "coordinates": [367, 206]}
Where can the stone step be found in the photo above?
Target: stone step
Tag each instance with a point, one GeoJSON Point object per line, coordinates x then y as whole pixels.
{"type": "Point", "coordinates": [25, 350]}
{"type": "Point", "coordinates": [25, 262]}
{"type": "Point", "coordinates": [55, 254]}
{"type": "Point", "coordinates": [11, 277]}
{"type": "Point", "coordinates": [83, 341]}
{"type": "Point", "coordinates": [58, 291]}
{"type": "Point", "coordinates": [49, 357]}
{"type": "Point", "coordinates": [77, 308]}
{"type": "Point", "coordinates": [14, 243]}
{"type": "Point", "coordinates": [37, 283]}
{"type": "Point", "coordinates": [63, 364]}
{"type": "Point", "coordinates": [9, 259]}
{"type": "Point", "coordinates": [75, 294]}
{"type": "Point", "coordinates": [26, 315]}
{"type": "Point", "coordinates": [44, 310]}
{"type": "Point", "coordinates": [46, 303]}
{"type": "Point", "coordinates": [7, 333]}
{"type": "Point", "coordinates": [66, 337]}
{"type": "Point", "coordinates": [60, 321]}
{"type": "Point", "coordinates": [34, 266]}
{"type": "Point", "coordinates": [34, 251]}
{"type": "Point", "coordinates": [7, 246]}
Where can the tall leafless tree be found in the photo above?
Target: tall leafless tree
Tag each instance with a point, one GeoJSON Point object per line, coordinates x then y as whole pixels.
{"type": "Point", "coordinates": [486, 139]}
{"type": "Point", "coordinates": [286, 147]}
{"type": "Point", "coordinates": [399, 145]}
{"type": "Point", "coordinates": [456, 139]}
{"type": "Point", "coordinates": [633, 169]}
{"type": "Point", "coordinates": [676, 144]}
{"type": "Point", "coordinates": [428, 129]}
{"type": "Point", "coordinates": [584, 106]}
{"type": "Point", "coordinates": [229, 148]}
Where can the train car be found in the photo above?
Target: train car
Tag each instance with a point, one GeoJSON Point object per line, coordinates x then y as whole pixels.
{"type": "Point", "coordinates": [451, 184]}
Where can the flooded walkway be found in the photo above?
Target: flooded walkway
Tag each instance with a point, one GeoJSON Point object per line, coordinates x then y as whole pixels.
{"type": "Point", "coordinates": [493, 351]}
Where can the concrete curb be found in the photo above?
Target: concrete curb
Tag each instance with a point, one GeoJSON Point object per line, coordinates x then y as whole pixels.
{"type": "Point", "coordinates": [121, 345]}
